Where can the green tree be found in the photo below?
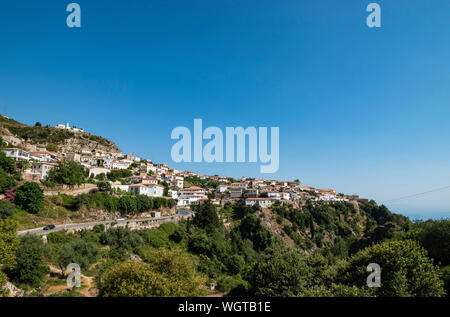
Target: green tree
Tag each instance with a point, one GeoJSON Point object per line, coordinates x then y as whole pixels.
{"type": "Point", "coordinates": [128, 205]}
{"type": "Point", "coordinates": [281, 271]}
{"type": "Point", "coordinates": [104, 186]}
{"type": "Point", "coordinates": [30, 197]}
{"type": "Point", "coordinates": [252, 229]}
{"type": "Point", "coordinates": [9, 243]}
{"type": "Point", "coordinates": [29, 268]}
{"type": "Point", "coordinates": [79, 251]}
{"type": "Point", "coordinates": [165, 273]}
{"type": "Point", "coordinates": [68, 173]}
{"type": "Point", "coordinates": [52, 147]}
{"type": "Point", "coordinates": [206, 216]}
{"type": "Point", "coordinates": [121, 238]}
{"type": "Point", "coordinates": [435, 238]}
{"type": "Point", "coordinates": [405, 270]}
{"type": "Point", "coordinates": [7, 164]}
{"type": "Point", "coordinates": [6, 209]}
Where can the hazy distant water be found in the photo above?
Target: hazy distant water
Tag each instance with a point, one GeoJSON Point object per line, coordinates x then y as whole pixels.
{"type": "Point", "coordinates": [426, 215]}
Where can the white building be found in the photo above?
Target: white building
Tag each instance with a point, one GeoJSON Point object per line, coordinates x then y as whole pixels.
{"type": "Point", "coordinates": [262, 202]}
{"type": "Point", "coordinates": [67, 127]}
{"type": "Point", "coordinates": [94, 171]}
{"type": "Point", "coordinates": [151, 190]}
{"type": "Point", "coordinates": [188, 196]}
{"type": "Point", "coordinates": [240, 185]}
{"type": "Point", "coordinates": [42, 168]}
{"type": "Point", "coordinates": [222, 188]}
{"type": "Point", "coordinates": [17, 154]}
{"type": "Point", "coordinates": [178, 181]}
{"type": "Point", "coordinates": [273, 195]}
{"type": "Point", "coordinates": [44, 156]}
{"type": "Point", "coordinates": [285, 196]}
{"type": "Point", "coordinates": [120, 165]}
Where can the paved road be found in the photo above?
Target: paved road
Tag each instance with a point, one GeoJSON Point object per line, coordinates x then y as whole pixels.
{"type": "Point", "coordinates": [79, 226]}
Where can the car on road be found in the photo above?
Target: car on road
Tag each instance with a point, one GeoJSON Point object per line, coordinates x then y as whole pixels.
{"type": "Point", "coordinates": [49, 227]}
{"type": "Point", "coordinates": [120, 220]}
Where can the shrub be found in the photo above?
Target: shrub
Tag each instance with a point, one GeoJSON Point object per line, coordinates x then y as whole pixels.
{"type": "Point", "coordinates": [30, 197]}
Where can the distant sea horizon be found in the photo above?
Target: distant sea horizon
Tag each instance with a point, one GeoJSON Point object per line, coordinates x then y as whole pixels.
{"type": "Point", "coordinates": [414, 215]}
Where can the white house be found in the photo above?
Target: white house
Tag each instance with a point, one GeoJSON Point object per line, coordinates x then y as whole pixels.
{"type": "Point", "coordinates": [42, 168]}
{"type": "Point", "coordinates": [251, 193]}
{"type": "Point", "coordinates": [240, 185]}
{"type": "Point", "coordinates": [67, 127]}
{"type": "Point", "coordinates": [187, 196]}
{"type": "Point", "coordinates": [149, 180]}
{"type": "Point", "coordinates": [285, 196]}
{"type": "Point", "coordinates": [222, 188]}
{"type": "Point", "coordinates": [44, 156]}
{"type": "Point", "coordinates": [120, 165]}
{"type": "Point", "coordinates": [17, 154]}
{"type": "Point", "coordinates": [94, 171]}
{"type": "Point", "coordinates": [262, 202]}
{"type": "Point", "coordinates": [125, 188]}
{"type": "Point", "coordinates": [273, 195]}
{"type": "Point", "coordinates": [178, 181]}
{"type": "Point", "coordinates": [151, 190]}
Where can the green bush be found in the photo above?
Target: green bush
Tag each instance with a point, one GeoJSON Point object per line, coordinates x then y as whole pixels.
{"type": "Point", "coordinates": [30, 197]}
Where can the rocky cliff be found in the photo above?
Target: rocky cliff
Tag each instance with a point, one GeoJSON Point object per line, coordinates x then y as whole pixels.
{"type": "Point", "coordinates": [37, 138]}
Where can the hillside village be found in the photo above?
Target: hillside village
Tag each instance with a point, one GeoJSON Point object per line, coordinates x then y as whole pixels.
{"type": "Point", "coordinates": [185, 187]}
{"type": "Point", "coordinates": [68, 196]}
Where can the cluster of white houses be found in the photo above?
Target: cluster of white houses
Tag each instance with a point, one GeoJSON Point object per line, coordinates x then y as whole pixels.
{"type": "Point", "coordinates": [41, 161]}
{"type": "Point", "coordinates": [149, 179]}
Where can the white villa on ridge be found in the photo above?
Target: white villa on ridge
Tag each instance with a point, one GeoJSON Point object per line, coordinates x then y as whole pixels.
{"type": "Point", "coordinates": [67, 127]}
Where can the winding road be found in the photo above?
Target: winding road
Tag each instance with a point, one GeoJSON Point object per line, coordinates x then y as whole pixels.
{"type": "Point", "coordinates": [78, 226]}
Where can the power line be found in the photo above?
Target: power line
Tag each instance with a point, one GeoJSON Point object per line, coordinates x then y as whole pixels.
{"type": "Point", "coordinates": [417, 195]}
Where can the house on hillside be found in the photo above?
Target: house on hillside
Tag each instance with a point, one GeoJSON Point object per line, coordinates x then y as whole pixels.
{"type": "Point", "coordinates": [262, 202]}
{"type": "Point", "coordinates": [45, 156]}
{"type": "Point", "coordinates": [151, 190]}
{"type": "Point", "coordinates": [187, 196]}
{"type": "Point", "coordinates": [42, 168]}
{"type": "Point", "coordinates": [17, 154]}
{"type": "Point", "coordinates": [94, 171]}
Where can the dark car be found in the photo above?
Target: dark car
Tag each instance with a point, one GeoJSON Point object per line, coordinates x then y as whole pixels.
{"type": "Point", "coordinates": [49, 227]}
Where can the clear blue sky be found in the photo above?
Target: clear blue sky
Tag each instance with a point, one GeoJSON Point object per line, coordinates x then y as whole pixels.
{"type": "Point", "coordinates": [360, 110]}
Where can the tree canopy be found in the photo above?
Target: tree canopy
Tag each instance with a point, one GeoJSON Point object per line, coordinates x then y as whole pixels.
{"type": "Point", "coordinates": [67, 173]}
{"type": "Point", "coordinates": [164, 273]}
{"type": "Point", "coordinates": [30, 197]}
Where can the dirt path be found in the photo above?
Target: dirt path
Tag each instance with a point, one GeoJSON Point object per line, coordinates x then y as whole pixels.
{"type": "Point", "coordinates": [87, 288]}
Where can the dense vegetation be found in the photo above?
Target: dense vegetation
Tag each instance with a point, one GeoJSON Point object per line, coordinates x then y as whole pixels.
{"type": "Point", "coordinates": [197, 181]}
{"type": "Point", "coordinates": [244, 258]}
{"type": "Point", "coordinates": [47, 135]}
{"type": "Point", "coordinates": [127, 204]}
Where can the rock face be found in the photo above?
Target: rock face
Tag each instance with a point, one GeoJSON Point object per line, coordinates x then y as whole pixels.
{"type": "Point", "coordinates": [13, 290]}
{"type": "Point", "coordinates": [36, 138]}
{"type": "Point", "coordinates": [83, 143]}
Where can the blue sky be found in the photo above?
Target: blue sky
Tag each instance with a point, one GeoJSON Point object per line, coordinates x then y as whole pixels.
{"type": "Point", "coordinates": [360, 110]}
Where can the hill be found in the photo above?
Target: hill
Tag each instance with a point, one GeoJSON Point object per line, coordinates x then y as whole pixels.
{"type": "Point", "coordinates": [35, 138]}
